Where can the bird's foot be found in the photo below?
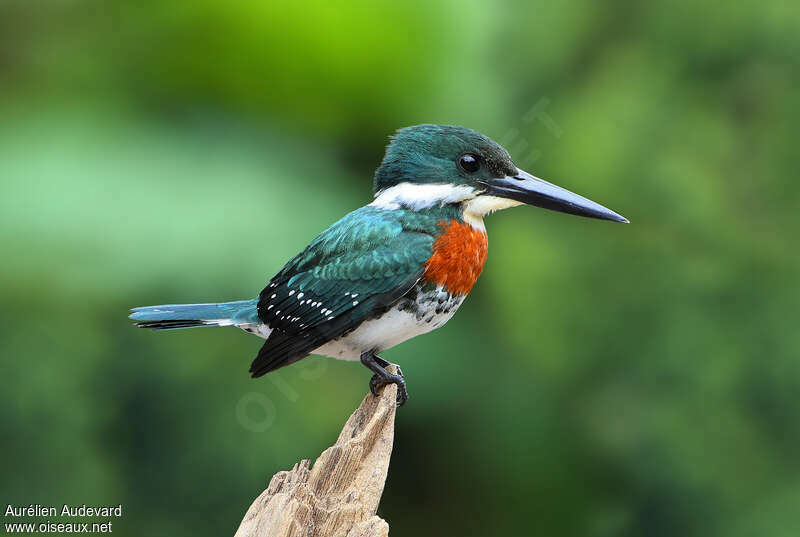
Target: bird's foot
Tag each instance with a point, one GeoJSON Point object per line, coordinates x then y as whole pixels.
{"type": "Point", "coordinates": [382, 377]}
{"type": "Point", "coordinates": [378, 381]}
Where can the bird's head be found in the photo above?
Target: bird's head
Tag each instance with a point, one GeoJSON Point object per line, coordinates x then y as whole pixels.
{"type": "Point", "coordinates": [426, 165]}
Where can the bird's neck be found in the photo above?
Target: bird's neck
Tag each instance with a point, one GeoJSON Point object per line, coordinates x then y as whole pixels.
{"type": "Point", "coordinates": [454, 215]}
{"type": "Point", "coordinates": [468, 203]}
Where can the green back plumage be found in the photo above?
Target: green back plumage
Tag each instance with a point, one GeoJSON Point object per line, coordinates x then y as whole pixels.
{"type": "Point", "coordinates": [369, 244]}
{"type": "Point", "coordinates": [353, 271]}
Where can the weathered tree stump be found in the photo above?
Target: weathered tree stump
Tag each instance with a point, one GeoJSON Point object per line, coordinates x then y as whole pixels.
{"type": "Point", "coordinates": [339, 495]}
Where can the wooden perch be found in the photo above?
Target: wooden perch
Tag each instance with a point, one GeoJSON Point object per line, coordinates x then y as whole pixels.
{"type": "Point", "coordinates": [339, 496]}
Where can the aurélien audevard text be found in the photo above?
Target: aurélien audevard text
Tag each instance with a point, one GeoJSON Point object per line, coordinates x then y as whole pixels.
{"type": "Point", "coordinates": [38, 510]}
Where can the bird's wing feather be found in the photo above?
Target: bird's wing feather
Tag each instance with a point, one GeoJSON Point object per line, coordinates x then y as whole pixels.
{"type": "Point", "coordinates": [352, 272]}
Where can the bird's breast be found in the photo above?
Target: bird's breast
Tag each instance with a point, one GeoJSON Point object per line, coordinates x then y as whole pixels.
{"type": "Point", "coordinates": [459, 254]}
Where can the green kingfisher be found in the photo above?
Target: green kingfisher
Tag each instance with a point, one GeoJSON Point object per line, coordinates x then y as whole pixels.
{"type": "Point", "coordinates": [391, 270]}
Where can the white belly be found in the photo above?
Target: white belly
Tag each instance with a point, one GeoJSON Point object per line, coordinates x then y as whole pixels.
{"type": "Point", "coordinates": [418, 314]}
{"type": "Point", "coordinates": [411, 317]}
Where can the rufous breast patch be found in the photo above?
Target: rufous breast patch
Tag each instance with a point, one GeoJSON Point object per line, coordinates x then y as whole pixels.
{"type": "Point", "coordinates": [459, 254]}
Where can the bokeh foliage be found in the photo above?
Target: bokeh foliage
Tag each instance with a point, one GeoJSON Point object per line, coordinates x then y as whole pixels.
{"type": "Point", "coordinates": [602, 380]}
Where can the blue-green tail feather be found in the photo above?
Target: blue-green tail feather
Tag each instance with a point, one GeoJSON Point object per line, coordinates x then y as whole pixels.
{"type": "Point", "coordinates": [173, 316]}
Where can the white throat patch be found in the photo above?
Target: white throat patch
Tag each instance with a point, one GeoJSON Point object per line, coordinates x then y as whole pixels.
{"type": "Point", "coordinates": [415, 197]}
{"type": "Point", "coordinates": [478, 207]}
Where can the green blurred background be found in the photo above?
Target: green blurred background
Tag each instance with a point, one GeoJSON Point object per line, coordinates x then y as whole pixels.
{"type": "Point", "coordinates": [602, 380]}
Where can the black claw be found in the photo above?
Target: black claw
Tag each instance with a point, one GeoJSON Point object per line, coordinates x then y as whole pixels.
{"type": "Point", "coordinates": [377, 382]}
{"type": "Point", "coordinates": [402, 393]}
{"type": "Point", "coordinates": [374, 384]}
{"type": "Point", "coordinates": [382, 377]}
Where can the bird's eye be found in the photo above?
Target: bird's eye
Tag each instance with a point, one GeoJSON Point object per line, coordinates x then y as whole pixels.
{"type": "Point", "coordinates": [469, 163]}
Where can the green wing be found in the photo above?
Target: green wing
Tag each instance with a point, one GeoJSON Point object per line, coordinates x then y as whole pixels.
{"type": "Point", "coordinates": [352, 272]}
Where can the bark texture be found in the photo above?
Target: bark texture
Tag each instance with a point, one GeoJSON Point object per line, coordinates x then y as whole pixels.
{"type": "Point", "coordinates": [339, 495]}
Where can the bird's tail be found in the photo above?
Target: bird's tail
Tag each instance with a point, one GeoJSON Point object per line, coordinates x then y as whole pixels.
{"type": "Point", "coordinates": [191, 315]}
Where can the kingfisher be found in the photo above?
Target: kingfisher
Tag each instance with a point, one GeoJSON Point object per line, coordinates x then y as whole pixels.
{"type": "Point", "coordinates": [391, 270]}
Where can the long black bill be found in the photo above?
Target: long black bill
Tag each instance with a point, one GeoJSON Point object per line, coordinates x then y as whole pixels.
{"type": "Point", "coordinates": [531, 190]}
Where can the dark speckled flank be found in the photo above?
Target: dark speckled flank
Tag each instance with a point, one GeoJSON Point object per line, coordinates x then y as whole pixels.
{"type": "Point", "coordinates": [429, 303]}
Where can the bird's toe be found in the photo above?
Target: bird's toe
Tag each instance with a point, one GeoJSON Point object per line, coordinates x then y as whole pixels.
{"type": "Point", "coordinates": [374, 383]}
{"type": "Point", "coordinates": [378, 381]}
{"type": "Point", "coordinates": [402, 392]}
